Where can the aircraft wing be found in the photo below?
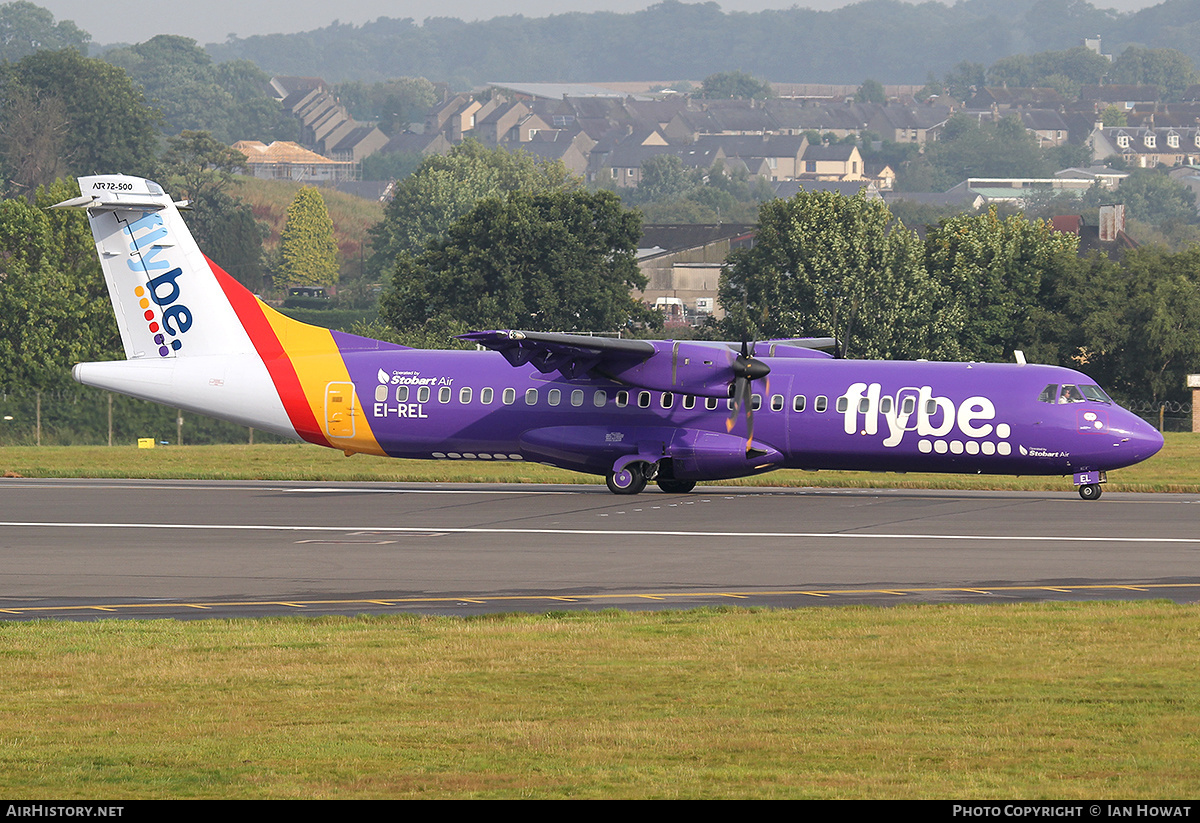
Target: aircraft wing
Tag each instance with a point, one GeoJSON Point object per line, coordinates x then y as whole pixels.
{"type": "Point", "coordinates": [572, 355]}
{"type": "Point", "coordinates": [691, 367]}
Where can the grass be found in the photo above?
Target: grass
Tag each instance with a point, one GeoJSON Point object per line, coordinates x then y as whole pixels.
{"type": "Point", "coordinates": [1022, 701]}
{"type": "Point", "coordinates": [1175, 469]}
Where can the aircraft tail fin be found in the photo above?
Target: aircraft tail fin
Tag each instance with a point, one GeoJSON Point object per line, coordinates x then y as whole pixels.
{"type": "Point", "coordinates": [168, 298]}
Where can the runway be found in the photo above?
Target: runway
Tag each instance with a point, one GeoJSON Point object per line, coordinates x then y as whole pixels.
{"type": "Point", "coordinates": [82, 549]}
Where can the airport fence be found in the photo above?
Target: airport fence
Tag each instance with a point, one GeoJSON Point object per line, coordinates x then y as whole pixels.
{"type": "Point", "coordinates": [91, 417]}
{"type": "Point", "coordinates": [1164, 415]}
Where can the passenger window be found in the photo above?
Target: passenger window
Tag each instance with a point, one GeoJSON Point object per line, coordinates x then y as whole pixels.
{"type": "Point", "coordinates": [710, 403]}
{"type": "Point", "coordinates": [553, 396]}
{"type": "Point", "coordinates": [885, 405]}
{"type": "Point", "coordinates": [777, 402]}
{"type": "Point", "coordinates": [531, 397]}
{"type": "Point", "coordinates": [756, 401]}
{"type": "Point", "coordinates": [864, 405]}
{"type": "Point", "coordinates": [509, 397]}
{"type": "Point", "coordinates": [689, 401]}
{"type": "Point", "coordinates": [622, 399]}
{"type": "Point", "coordinates": [644, 400]}
{"type": "Point", "coordinates": [423, 394]}
{"type": "Point", "coordinates": [908, 406]}
{"type": "Point", "coordinates": [931, 407]}
{"type": "Point", "coordinates": [464, 396]}
{"type": "Point", "coordinates": [798, 403]}
{"type": "Point", "coordinates": [822, 403]}
{"type": "Point", "coordinates": [485, 397]}
{"type": "Point", "coordinates": [402, 394]}
{"type": "Point", "coordinates": [444, 394]}
{"type": "Point", "coordinates": [843, 403]}
{"type": "Point", "coordinates": [599, 398]}
{"type": "Point", "coordinates": [668, 400]}
{"type": "Point", "coordinates": [577, 397]}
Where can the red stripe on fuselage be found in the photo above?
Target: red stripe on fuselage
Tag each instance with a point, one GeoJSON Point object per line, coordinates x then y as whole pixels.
{"type": "Point", "coordinates": [283, 374]}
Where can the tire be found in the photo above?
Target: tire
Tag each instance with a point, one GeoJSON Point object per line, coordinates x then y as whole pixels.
{"type": "Point", "coordinates": [1090, 491]}
{"type": "Point", "coordinates": [677, 486]}
{"type": "Point", "coordinates": [630, 480]}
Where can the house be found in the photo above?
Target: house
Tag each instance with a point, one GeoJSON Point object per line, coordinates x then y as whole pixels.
{"type": "Point", "coordinates": [780, 153]}
{"type": "Point", "coordinates": [1147, 147]}
{"type": "Point", "coordinates": [839, 161]}
{"type": "Point", "coordinates": [1002, 98]}
{"type": "Point", "coordinates": [283, 160]}
{"type": "Point", "coordinates": [684, 262]}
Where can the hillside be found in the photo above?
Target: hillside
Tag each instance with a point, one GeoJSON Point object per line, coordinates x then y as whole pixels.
{"type": "Point", "coordinates": [351, 216]}
{"type": "Point", "coordinates": [889, 40]}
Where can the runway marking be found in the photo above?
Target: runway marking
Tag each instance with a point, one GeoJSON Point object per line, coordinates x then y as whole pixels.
{"type": "Point", "coordinates": [400, 602]}
{"type": "Point", "coordinates": [426, 530]}
{"type": "Point", "coordinates": [420, 491]}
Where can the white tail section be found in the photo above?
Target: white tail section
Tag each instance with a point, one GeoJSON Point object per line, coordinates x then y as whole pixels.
{"type": "Point", "coordinates": [167, 301]}
{"type": "Point", "coordinates": [184, 343]}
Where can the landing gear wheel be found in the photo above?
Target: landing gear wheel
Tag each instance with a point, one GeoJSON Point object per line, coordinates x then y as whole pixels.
{"type": "Point", "coordinates": [1090, 491]}
{"type": "Point", "coordinates": [677, 486]}
{"type": "Point", "coordinates": [630, 480]}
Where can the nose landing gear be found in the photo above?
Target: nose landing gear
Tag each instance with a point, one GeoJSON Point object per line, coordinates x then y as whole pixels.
{"type": "Point", "coordinates": [1089, 483]}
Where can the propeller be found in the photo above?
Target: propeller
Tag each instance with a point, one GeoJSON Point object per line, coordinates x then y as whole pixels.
{"type": "Point", "coordinates": [745, 370]}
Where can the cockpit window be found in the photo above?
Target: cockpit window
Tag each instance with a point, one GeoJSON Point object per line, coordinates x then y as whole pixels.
{"type": "Point", "coordinates": [1095, 393]}
{"type": "Point", "coordinates": [1049, 393]}
{"type": "Point", "coordinates": [1070, 394]}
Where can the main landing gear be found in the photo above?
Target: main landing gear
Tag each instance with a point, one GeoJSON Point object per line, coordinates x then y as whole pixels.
{"type": "Point", "coordinates": [629, 480]}
{"type": "Point", "coordinates": [633, 478]}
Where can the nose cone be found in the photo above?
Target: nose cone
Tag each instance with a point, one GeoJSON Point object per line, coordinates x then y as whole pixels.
{"type": "Point", "coordinates": [1138, 440]}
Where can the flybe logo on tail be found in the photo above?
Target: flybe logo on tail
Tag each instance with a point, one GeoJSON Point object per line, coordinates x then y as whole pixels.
{"type": "Point", "coordinates": [166, 317]}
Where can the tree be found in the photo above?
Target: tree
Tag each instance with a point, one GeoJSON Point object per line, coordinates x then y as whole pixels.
{"type": "Point", "coordinates": [54, 306]}
{"type": "Point", "coordinates": [967, 148]}
{"type": "Point", "coordinates": [201, 163]}
{"type": "Point", "coordinates": [26, 28]}
{"type": "Point", "coordinates": [871, 91]}
{"type": "Point", "coordinates": [445, 187]}
{"type": "Point", "coordinates": [391, 104]}
{"type": "Point", "coordinates": [33, 138]}
{"type": "Point", "coordinates": [229, 100]}
{"type": "Point", "coordinates": [1133, 326]}
{"type": "Point", "coordinates": [663, 178]}
{"type": "Point", "coordinates": [1154, 197]}
{"type": "Point", "coordinates": [995, 270]}
{"type": "Point", "coordinates": [554, 261]}
{"type": "Point", "coordinates": [827, 265]}
{"type": "Point", "coordinates": [1113, 116]}
{"type": "Point", "coordinates": [308, 254]}
{"type": "Point", "coordinates": [1171, 71]}
{"type": "Point", "coordinates": [200, 168]}
{"type": "Point", "coordinates": [110, 128]}
{"type": "Point", "coordinates": [734, 84]}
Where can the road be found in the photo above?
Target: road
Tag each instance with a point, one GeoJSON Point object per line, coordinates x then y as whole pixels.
{"type": "Point", "coordinates": [83, 549]}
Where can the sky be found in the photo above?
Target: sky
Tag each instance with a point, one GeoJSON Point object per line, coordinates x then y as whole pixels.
{"type": "Point", "coordinates": [212, 21]}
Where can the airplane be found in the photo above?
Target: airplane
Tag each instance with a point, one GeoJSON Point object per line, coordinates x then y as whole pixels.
{"type": "Point", "coordinates": [673, 412]}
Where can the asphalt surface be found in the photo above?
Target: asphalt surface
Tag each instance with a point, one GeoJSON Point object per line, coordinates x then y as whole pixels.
{"type": "Point", "coordinates": [88, 549]}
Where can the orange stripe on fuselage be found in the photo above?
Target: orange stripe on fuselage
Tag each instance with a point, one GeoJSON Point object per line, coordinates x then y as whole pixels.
{"type": "Point", "coordinates": [302, 361]}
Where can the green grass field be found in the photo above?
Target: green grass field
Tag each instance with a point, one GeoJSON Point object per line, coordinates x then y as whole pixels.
{"type": "Point", "coordinates": [1175, 469]}
{"type": "Point", "coordinates": [1023, 701]}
